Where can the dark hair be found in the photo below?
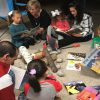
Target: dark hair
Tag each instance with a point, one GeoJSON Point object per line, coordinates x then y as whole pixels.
{"type": "Point", "coordinates": [7, 47]}
{"type": "Point", "coordinates": [40, 68]}
{"type": "Point", "coordinates": [13, 13]}
{"type": "Point", "coordinates": [79, 10]}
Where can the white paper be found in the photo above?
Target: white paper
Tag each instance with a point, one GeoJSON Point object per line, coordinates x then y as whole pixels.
{"type": "Point", "coordinates": [19, 75]}
{"type": "Point", "coordinates": [71, 65]}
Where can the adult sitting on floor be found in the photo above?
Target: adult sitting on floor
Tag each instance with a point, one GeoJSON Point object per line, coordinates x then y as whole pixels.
{"type": "Point", "coordinates": [82, 21]}
{"type": "Point", "coordinates": [8, 54]}
{"type": "Point", "coordinates": [38, 16]}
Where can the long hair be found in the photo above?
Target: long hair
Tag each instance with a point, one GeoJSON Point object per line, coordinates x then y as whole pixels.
{"type": "Point", "coordinates": [40, 67]}
{"type": "Point", "coordinates": [79, 10]}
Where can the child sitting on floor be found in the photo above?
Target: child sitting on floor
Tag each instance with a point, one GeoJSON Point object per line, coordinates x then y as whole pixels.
{"type": "Point", "coordinates": [40, 86]}
{"type": "Point", "coordinates": [59, 21]}
{"type": "Point", "coordinates": [96, 40]}
{"type": "Point", "coordinates": [16, 27]}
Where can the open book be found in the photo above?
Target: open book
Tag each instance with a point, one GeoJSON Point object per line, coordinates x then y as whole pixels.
{"type": "Point", "coordinates": [21, 77]}
{"type": "Point", "coordinates": [73, 59]}
{"type": "Point", "coordinates": [31, 32]}
{"type": "Point", "coordinates": [70, 31]}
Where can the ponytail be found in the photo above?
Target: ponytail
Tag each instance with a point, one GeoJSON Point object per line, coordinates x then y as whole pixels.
{"type": "Point", "coordinates": [36, 70]}
{"type": "Point", "coordinates": [34, 83]}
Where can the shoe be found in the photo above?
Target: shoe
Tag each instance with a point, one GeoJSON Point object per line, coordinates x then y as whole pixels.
{"type": "Point", "coordinates": [60, 73]}
{"type": "Point", "coordinates": [59, 60]}
{"type": "Point", "coordinates": [55, 52]}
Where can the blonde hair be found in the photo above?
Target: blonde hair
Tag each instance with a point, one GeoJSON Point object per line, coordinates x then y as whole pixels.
{"type": "Point", "coordinates": [11, 15]}
{"type": "Point", "coordinates": [96, 31]}
{"type": "Point", "coordinates": [36, 3]}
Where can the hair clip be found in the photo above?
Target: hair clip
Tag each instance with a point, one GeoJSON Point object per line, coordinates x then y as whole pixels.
{"type": "Point", "coordinates": [32, 72]}
{"type": "Point", "coordinates": [10, 13]}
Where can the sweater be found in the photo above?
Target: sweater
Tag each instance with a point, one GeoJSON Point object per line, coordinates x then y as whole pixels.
{"type": "Point", "coordinates": [6, 84]}
{"type": "Point", "coordinates": [43, 20]}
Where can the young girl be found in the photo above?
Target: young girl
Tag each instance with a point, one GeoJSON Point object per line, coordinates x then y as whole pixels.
{"type": "Point", "coordinates": [16, 27]}
{"type": "Point", "coordinates": [59, 22]}
{"type": "Point", "coordinates": [96, 40]}
{"type": "Point", "coordinates": [40, 86]}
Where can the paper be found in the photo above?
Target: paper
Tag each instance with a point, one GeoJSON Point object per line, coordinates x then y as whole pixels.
{"type": "Point", "coordinates": [71, 65]}
{"type": "Point", "coordinates": [70, 31]}
{"type": "Point", "coordinates": [73, 59]}
{"type": "Point", "coordinates": [19, 75]}
{"type": "Point", "coordinates": [31, 32]}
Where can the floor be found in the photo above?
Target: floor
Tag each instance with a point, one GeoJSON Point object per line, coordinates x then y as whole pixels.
{"type": "Point", "coordinates": [86, 75]}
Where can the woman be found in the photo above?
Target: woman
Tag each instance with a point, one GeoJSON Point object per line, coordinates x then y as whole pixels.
{"type": "Point", "coordinates": [38, 16]}
{"type": "Point", "coordinates": [82, 21]}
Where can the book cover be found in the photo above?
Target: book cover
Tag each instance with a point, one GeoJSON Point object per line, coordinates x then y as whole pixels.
{"type": "Point", "coordinates": [73, 59]}
{"type": "Point", "coordinates": [92, 60]}
{"type": "Point", "coordinates": [74, 87]}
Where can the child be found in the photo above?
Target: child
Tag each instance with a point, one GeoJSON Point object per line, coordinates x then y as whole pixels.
{"type": "Point", "coordinates": [16, 27]}
{"type": "Point", "coordinates": [40, 86]}
{"type": "Point", "coordinates": [59, 21]}
{"type": "Point", "coordinates": [96, 40]}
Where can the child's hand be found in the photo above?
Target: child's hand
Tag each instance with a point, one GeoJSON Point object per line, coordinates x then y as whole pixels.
{"type": "Point", "coordinates": [25, 35]}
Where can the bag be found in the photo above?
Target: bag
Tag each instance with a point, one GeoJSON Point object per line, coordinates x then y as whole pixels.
{"type": "Point", "coordinates": [22, 96]}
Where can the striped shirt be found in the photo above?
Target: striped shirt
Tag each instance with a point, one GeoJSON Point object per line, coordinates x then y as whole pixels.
{"type": "Point", "coordinates": [85, 25]}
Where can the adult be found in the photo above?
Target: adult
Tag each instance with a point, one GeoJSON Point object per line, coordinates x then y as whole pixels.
{"type": "Point", "coordinates": [80, 20]}
{"type": "Point", "coordinates": [8, 54]}
{"type": "Point", "coordinates": [38, 16]}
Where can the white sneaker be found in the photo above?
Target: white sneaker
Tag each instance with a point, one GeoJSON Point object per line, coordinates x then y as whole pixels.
{"type": "Point", "coordinates": [59, 60]}
{"type": "Point", "coordinates": [55, 52]}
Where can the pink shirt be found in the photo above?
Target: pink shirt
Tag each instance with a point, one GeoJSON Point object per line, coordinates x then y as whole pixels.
{"type": "Point", "coordinates": [63, 25]}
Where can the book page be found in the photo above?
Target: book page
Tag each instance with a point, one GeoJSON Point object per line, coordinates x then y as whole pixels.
{"type": "Point", "coordinates": [19, 75]}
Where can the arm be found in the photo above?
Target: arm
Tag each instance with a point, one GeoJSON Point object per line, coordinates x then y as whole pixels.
{"type": "Point", "coordinates": [12, 30]}
{"type": "Point", "coordinates": [85, 25]}
{"type": "Point", "coordinates": [45, 19]}
{"type": "Point", "coordinates": [52, 80]}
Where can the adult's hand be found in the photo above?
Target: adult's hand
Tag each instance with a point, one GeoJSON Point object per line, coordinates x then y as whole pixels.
{"type": "Point", "coordinates": [25, 35]}
{"type": "Point", "coordinates": [76, 35]}
{"type": "Point", "coordinates": [40, 30]}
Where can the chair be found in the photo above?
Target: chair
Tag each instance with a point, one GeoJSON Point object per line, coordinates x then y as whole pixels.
{"type": "Point", "coordinates": [21, 6]}
{"type": "Point", "coordinates": [8, 5]}
{"type": "Point", "coordinates": [5, 7]}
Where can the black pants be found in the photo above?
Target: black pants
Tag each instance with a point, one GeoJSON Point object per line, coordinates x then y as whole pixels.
{"type": "Point", "coordinates": [72, 39]}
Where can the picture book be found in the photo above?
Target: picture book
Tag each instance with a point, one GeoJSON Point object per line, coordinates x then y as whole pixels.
{"type": "Point", "coordinates": [70, 31]}
{"type": "Point", "coordinates": [73, 59]}
{"type": "Point", "coordinates": [74, 87]}
{"type": "Point", "coordinates": [31, 31]}
{"type": "Point", "coordinates": [88, 93]}
{"type": "Point", "coordinates": [21, 77]}
{"type": "Point", "coordinates": [92, 60]}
